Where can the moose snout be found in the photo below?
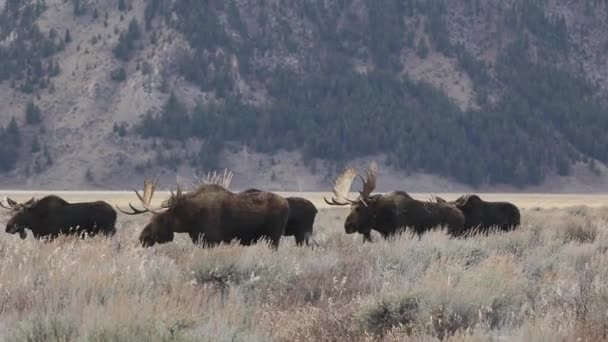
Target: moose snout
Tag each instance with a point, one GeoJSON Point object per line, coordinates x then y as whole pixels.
{"type": "Point", "coordinates": [146, 237]}
{"type": "Point", "coordinates": [12, 228]}
{"type": "Point", "coordinates": [350, 227]}
{"type": "Point", "coordinates": [146, 241]}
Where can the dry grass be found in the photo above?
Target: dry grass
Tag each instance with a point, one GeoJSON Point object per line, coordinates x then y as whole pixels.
{"type": "Point", "coordinates": [545, 282]}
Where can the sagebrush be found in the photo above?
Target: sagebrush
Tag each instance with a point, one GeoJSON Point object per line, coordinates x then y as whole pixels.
{"type": "Point", "coordinates": [546, 281]}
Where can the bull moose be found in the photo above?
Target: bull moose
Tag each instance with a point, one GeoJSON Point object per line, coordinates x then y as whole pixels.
{"type": "Point", "coordinates": [482, 216]}
{"type": "Point", "coordinates": [212, 214]}
{"type": "Point", "coordinates": [52, 216]}
{"type": "Point", "coordinates": [390, 213]}
{"type": "Point", "coordinates": [302, 213]}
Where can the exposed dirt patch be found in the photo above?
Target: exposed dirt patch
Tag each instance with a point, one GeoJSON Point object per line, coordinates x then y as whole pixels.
{"type": "Point", "coordinates": [443, 73]}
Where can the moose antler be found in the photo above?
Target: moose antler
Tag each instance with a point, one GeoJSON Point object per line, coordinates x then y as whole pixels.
{"type": "Point", "coordinates": [179, 191]}
{"type": "Point", "coordinates": [145, 199]}
{"type": "Point", "coordinates": [369, 184]}
{"type": "Point", "coordinates": [169, 201]}
{"type": "Point", "coordinates": [440, 200]}
{"type": "Point", "coordinates": [223, 179]}
{"type": "Point", "coordinates": [462, 200]}
{"type": "Point", "coordinates": [341, 188]}
{"type": "Point", "coordinates": [12, 204]}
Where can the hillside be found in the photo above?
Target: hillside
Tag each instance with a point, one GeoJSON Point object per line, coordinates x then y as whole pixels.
{"type": "Point", "coordinates": [448, 95]}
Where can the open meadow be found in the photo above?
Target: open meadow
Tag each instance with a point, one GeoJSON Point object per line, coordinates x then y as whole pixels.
{"type": "Point", "coordinates": [546, 281]}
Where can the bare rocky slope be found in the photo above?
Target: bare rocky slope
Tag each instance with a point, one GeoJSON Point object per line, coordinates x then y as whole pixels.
{"type": "Point", "coordinates": [85, 105]}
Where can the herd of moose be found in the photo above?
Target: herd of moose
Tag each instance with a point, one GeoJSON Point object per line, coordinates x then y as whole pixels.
{"type": "Point", "coordinates": [211, 214]}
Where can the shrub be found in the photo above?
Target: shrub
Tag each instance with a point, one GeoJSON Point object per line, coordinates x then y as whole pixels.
{"type": "Point", "coordinates": [119, 75]}
{"type": "Point", "coordinates": [392, 312]}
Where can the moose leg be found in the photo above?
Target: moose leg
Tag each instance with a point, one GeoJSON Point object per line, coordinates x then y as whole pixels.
{"type": "Point", "coordinates": [367, 237]}
{"type": "Point", "coordinates": [108, 231]}
{"type": "Point", "coordinates": [248, 241]}
{"type": "Point", "coordinates": [388, 236]}
{"type": "Point", "coordinates": [300, 237]}
{"type": "Point", "coordinates": [275, 228]}
{"type": "Point", "coordinates": [275, 238]}
{"type": "Point", "coordinates": [274, 243]}
{"type": "Point", "coordinates": [197, 238]}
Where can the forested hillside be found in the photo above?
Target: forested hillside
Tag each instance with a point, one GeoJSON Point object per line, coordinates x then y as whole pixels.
{"type": "Point", "coordinates": [478, 92]}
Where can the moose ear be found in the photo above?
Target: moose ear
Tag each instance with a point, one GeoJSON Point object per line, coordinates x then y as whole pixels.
{"type": "Point", "coordinates": [29, 202]}
{"type": "Point", "coordinates": [463, 199]}
{"type": "Point", "coordinates": [473, 199]}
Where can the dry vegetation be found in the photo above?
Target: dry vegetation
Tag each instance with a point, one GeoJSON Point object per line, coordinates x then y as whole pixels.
{"type": "Point", "coordinates": [548, 281]}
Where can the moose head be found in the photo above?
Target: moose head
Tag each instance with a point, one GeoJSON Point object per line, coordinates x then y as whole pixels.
{"type": "Point", "coordinates": [23, 215]}
{"type": "Point", "coordinates": [160, 229]}
{"type": "Point", "coordinates": [362, 213]}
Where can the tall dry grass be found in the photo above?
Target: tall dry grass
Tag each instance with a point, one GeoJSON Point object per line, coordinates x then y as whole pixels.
{"type": "Point", "coordinates": [547, 281]}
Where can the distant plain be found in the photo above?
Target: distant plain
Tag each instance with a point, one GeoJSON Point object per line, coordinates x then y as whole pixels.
{"type": "Point", "coordinates": [522, 200]}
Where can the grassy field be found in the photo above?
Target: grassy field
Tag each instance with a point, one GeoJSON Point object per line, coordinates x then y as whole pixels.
{"type": "Point", "coordinates": [547, 281]}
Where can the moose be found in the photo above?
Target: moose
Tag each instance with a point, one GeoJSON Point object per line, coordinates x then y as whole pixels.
{"type": "Point", "coordinates": [302, 213]}
{"type": "Point", "coordinates": [52, 216]}
{"type": "Point", "coordinates": [390, 213]}
{"type": "Point", "coordinates": [483, 216]}
{"type": "Point", "coordinates": [211, 214]}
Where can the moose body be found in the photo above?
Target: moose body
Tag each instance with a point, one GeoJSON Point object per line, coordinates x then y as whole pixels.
{"type": "Point", "coordinates": [391, 213]}
{"type": "Point", "coordinates": [483, 216]}
{"type": "Point", "coordinates": [52, 216]}
{"type": "Point", "coordinates": [302, 213]}
{"type": "Point", "coordinates": [212, 214]}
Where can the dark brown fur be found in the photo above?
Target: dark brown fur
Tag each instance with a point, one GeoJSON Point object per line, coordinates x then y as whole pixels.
{"type": "Point", "coordinates": [302, 215]}
{"type": "Point", "coordinates": [52, 216]}
{"type": "Point", "coordinates": [301, 218]}
{"type": "Point", "coordinates": [391, 213]}
{"type": "Point", "coordinates": [212, 214]}
{"type": "Point", "coordinates": [484, 216]}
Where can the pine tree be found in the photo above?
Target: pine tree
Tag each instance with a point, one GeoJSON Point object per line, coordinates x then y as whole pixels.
{"type": "Point", "coordinates": [13, 134]}
{"type": "Point", "coordinates": [32, 114]}
{"type": "Point", "coordinates": [47, 155]}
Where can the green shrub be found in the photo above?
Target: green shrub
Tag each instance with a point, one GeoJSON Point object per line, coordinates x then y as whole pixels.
{"type": "Point", "coordinates": [392, 312]}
